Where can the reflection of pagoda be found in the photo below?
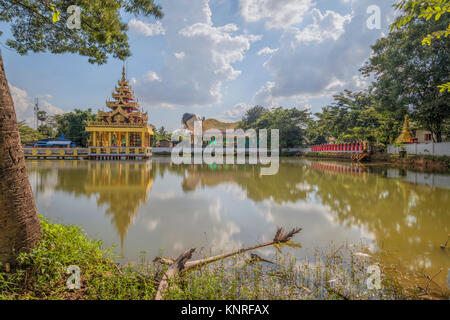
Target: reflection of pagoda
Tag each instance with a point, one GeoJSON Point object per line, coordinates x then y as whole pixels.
{"type": "Point", "coordinates": [125, 126]}
{"type": "Point", "coordinates": [122, 188]}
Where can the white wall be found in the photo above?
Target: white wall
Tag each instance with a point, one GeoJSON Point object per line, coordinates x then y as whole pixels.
{"type": "Point", "coordinates": [434, 149]}
{"type": "Point", "coordinates": [159, 150]}
{"type": "Point", "coordinates": [304, 150]}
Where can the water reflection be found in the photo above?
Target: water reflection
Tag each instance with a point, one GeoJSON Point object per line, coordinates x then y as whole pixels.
{"type": "Point", "coordinates": [155, 205]}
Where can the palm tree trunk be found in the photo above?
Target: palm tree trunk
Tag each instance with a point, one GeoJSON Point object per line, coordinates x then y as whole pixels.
{"type": "Point", "coordinates": [19, 223]}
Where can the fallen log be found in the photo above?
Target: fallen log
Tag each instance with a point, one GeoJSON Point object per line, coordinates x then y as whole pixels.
{"type": "Point", "coordinates": [173, 270]}
{"type": "Point", "coordinates": [182, 264]}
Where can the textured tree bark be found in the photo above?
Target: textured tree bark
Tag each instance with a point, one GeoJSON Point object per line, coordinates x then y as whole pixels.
{"type": "Point", "coordinates": [19, 223]}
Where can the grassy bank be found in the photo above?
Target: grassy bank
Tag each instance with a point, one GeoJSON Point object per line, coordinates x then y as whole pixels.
{"type": "Point", "coordinates": [41, 274]}
{"type": "Point", "coordinates": [413, 162]}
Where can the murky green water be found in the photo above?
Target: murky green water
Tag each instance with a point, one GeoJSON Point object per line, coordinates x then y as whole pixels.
{"type": "Point", "coordinates": [155, 206]}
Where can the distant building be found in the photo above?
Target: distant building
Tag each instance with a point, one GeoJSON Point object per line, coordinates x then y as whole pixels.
{"type": "Point", "coordinates": [125, 125]}
{"type": "Point", "coordinates": [59, 142]}
{"type": "Point", "coordinates": [164, 144]}
{"type": "Point", "coordinates": [415, 136]}
{"type": "Point", "coordinates": [424, 136]}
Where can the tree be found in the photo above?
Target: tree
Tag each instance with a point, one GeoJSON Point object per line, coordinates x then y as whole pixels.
{"type": "Point", "coordinates": [28, 134]}
{"type": "Point", "coordinates": [42, 116]}
{"type": "Point", "coordinates": [252, 116]}
{"type": "Point", "coordinates": [102, 33]}
{"type": "Point", "coordinates": [426, 9]}
{"type": "Point", "coordinates": [72, 125]}
{"type": "Point", "coordinates": [358, 116]}
{"type": "Point", "coordinates": [407, 74]}
{"type": "Point", "coordinates": [46, 130]}
{"type": "Point", "coordinates": [159, 134]}
{"type": "Point", "coordinates": [292, 124]}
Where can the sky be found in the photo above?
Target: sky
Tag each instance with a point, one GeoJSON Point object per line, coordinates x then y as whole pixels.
{"type": "Point", "coordinates": [215, 58]}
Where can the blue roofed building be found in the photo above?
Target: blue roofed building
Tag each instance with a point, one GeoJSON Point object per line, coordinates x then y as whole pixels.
{"type": "Point", "coordinates": [58, 142]}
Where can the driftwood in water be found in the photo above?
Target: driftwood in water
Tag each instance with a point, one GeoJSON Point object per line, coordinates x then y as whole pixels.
{"type": "Point", "coordinates": [182, 264]}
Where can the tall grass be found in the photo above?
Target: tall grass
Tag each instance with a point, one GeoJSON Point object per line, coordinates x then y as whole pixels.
{"type": "Point", "coordinates": [328, 274]}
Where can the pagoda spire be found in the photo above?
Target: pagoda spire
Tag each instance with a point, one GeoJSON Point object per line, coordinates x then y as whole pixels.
{"type": "Point", "coordinates": [405, 136]}
{"type": "Point", "coordinates": [123, 74]}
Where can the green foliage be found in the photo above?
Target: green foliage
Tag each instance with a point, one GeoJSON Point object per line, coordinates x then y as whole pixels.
{"type": "Point", "coordinates": [356, 116]}
{"type": "Point", "coordinates": [102, 32]}
{"type": "Point", "coordinates": [160, 134]}
{"type": "Point", "coordinates": [41, 274]}
{"type": "Point", "coordinates": [28, 134]}
{"type": "Point", "coordinates": [46, 130]}
{"type": "Point", "coordinates": [425, 9]}
{"type": "Point", "coordinates": [407, 74]}
{"type": "Point", "coordinates": [292, 124]}
{"type": "Point", "coordinates": [73, 125]}
{"type": "Point", "coordinates": [252, 116]}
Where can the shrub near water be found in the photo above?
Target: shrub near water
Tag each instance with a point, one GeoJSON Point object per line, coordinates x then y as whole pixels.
{"type": "Point", "coordinates": [41, 274]}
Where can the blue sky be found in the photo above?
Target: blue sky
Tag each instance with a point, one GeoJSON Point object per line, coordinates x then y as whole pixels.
{"type": "Point", "coordinates": [215, 58]}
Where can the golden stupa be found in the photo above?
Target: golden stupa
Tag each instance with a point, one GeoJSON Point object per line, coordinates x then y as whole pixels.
{"type": "Point", "coordinates": [405, 136]}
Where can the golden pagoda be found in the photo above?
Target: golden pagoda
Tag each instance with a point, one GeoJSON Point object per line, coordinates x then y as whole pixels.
{"type": "Point", "coordinates": [122, 132]}
{"type": "Point", "coordinates": [405, 136]}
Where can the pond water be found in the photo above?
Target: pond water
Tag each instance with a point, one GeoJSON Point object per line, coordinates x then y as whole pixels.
{"type": "Point", "coordinates": [155, 206]}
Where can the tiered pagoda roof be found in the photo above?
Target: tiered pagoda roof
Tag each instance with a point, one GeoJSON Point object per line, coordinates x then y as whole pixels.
{"type": "Point", "coordinates": [124, 107]}
{"type": "Point", "coordinates": [405, 136]}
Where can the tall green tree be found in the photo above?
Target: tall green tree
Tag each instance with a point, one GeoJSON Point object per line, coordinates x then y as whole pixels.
{"type": "Point", "coordinates": [407, 74]}
{"type": "Point", "coordinates": [426, 9]}
{"type": "Point", "coordinates": [291, 123]}
{"type": "Point", "coordinates": [28, 134]}
{"type": "Point", "coordinates": [72, 125]}
{"type": "Point", "coordinates": [102, 33]}
{"type": "Point", "coordinates": [358, 116]}
{"type": "Point", "coordinates": [159, 134]}
{"type": "Point", "coordinates": [252, 115]}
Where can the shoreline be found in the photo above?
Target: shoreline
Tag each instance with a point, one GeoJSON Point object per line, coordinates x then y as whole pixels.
{"type": "Point", "coordinates": [335, 274]}
{"type": "Point", "coordinates": [418, 163]}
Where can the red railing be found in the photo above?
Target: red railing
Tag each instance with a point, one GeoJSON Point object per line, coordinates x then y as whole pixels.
{"type": "Point", "coordinates": [340, 147]}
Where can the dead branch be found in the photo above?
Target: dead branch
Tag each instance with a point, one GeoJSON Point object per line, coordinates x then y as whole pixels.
{"type": "Point", "coordinates": [173, 270]}
{"type": "Point", "coordinates": [443, 246]}
{"type": "Point", "coordinates": [280, 237]}
{"type": "Point", "coordinates": [431, 279]}
{"type": "Point", "coordinates": [255, 258]}
{"type": "Point", "coordinates": [182, 264]}
{"type": "Point", "coordinates": [163, 260]}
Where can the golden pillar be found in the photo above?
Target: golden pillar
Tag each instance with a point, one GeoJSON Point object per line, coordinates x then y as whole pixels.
{"type": "Point", "coordinates": [94, 139]}
{"type": "Point", "coordinates": [143, 139]}
{"type": "Point", "coordinates": [127, 137]}
{"type": "Point", "coordinates": [109, 139]}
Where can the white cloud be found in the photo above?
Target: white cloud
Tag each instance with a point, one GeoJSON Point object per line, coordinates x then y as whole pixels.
{"type": "Point", "coordinates": [266, 51]}
{"type": "Point", "coordinates": [24, 105]}
{"type": "Point", "coordinates": [146, 29]}
{"type": "Point", "coordinates": [179, 55]}
{"type": "Point", "coordinates": [326, 26]}
{"type": "Point", "coordinates": [277, 13]}
{"type": "Point", "coordinates": [202, 59]}
{"type": "Point", "coordinates": [323, 57]}
{"type": "Point", "coordinates": [237, 112]}
{"type": "Point", "coordinates": [150, 76]}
